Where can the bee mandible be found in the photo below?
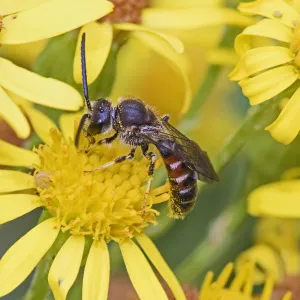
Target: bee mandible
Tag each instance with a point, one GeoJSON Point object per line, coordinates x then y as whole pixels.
{"type": "Point", "coordinates": [136, 124]}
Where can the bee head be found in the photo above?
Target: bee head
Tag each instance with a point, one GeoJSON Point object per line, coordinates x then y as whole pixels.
{"type": "Point", "coordinates": [99, 114]}
{"type": "Point", "coordinates": [100, 120]}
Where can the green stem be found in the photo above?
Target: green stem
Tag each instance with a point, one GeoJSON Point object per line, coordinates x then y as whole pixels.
{"type": "Point", "coordinates": [204, 91]}
{"type": "Point", "coordinates": [257, 119]}
{"type": "Point", "coordinates": [39, 287]}
{"type": "Point", "coordinates": [204, 254]}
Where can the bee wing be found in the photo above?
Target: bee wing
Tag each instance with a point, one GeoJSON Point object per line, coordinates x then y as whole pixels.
{"type": "Point", "coordinates": [187, 150]}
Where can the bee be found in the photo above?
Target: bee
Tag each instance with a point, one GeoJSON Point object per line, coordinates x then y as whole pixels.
{"type": "Point", "coordinates": [137, 125]}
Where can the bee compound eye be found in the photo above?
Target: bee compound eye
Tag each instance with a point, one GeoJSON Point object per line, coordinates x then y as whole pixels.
{"type": "Point", "coordinates": [101, 110]}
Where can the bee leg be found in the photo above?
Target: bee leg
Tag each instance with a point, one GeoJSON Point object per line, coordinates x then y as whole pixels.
{"type": "Point", "coordinates": [166, 118]}
{"type": "Point", "coordinates": [103, 141]}
{"type": "Point", "coordinates": [91, 139]}
{"type": "Point", "coordinates": [80, 127]}
{"type": "Point", "coordinates": [152, 157]}
{"type": "Point", "coordinates": [108, 140]}
{"type": "Point", "coordinates": [113, 162]}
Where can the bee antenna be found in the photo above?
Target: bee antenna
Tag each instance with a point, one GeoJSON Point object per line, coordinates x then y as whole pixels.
{"type": "Point", "coordinates": [84, 76]}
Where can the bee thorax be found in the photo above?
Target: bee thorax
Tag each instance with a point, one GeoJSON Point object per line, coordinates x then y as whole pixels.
{"type": "Point", "coordinates": [131, 138]}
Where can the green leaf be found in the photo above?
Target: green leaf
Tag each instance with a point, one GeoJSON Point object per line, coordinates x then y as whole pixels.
{"type": "Point", "coordinates": [56, 61]}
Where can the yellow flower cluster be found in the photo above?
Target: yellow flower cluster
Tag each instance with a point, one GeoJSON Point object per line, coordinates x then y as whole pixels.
{"type": "Point", "coordinates": [277, 199]}
{"type": "Point", "coordinates": [269, 61]}
{"type": "Point", "coordinates": [73, 196]}
{"type": "Point", "coordinates": [105, 206]}
{"type": "Point", "coordinates": [275, 251]}
{"type": "Point", "coordinates": [241, 287]}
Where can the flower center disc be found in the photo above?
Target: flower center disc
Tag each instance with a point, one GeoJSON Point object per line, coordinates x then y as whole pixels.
{"type": "Point", "coordinates": [128, 11]}
{"type": "Point", "coordinates": [105, 204]}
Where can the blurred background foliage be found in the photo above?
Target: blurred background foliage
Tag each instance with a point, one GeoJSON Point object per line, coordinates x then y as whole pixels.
{"type": "Point", "coordinates": [220, 120]}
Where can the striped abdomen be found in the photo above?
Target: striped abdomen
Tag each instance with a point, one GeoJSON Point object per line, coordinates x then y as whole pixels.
{"type": "Point", "coordinates": [183, 183]}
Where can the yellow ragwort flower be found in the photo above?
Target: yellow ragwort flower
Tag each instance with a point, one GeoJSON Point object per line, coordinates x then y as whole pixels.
{"type": "Point", "coordinates": [275, 251]}
{"type": "Point", "coordinates": [277, 199]}
{"type": "Point", "coordinates": [267, 70]}
{"type": "Point", "coordinates": [34, 20]}
{"type": "Point", "coordinates": [103, 206]}
{"type": "Point", "coordinates": [241, 287]}
{"type": "Point", "coordinates": [151, 64]}
{"type": "Point", "coordinates": [277, 248]}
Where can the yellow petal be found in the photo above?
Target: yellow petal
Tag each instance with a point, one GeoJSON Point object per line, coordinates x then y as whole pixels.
{"type": "Point", "coordinates": [240, 277]}
{"type": "Point", "coordinates": [40, 123]}
{"type": "Point", "coordinates": [279, 199]}
{"type": "Point", "coordinates": [23, 55]}
{"type": "Point", "coordinates": [268, 288]}
{"type": "Point", "coordinates": [97, 45]}
{"type": "Point", "coordinates": [268, 232]}
{"type": "Point", "coordinates": [162, 48]}
{"type": "Point", "coordinates": [230, 295]}
{"type": "Point", "coordinates": [197, 46]}
{"type": "Point", "coordinates": [273, 9]}
{"type": "Point", "coordinates": [65, 267]}
{"type": "Point", "coordinates": [68, 14]}
{"type": "Point", "coordinates": [155, 257]}
{"type": "Point", "coordinates": [223, 277]}
{"type": "Point", "coordinates": [174, 42]}
{"type": "Point", "coordinates": [67, 124]}
{"type": "Point", "coordinates": [265, 28]}
{"type": "Point", "coordinates": [12, 114]}
{"type": "Point", "coordinates": [164, 45]}
{"type": "Point", "coordinates": [184, 4]}
{"type": "Point", "coordinates": [33, 87]}
{"type": "Point", "coordinates": [156, 82]}
{"type": "Point", "coordinates": [265, 257]}
{"type": "Point", "coordinates": [15, 205]}
{"type": "Point", "coordinates": [248, 287]}
{"type": "Point", "coordinates": [286, 127]}
{"type": "Point", "coordinates": [192, 18]}
{"type": "Point", "coordinates": [11, 181]}
{"type": "Point", "coordinates": [9, 7]}
{"type": "Point", "coordinates": [222, 57]}
{"type": "Point", "coordinates": [22, 257]}
{"type": "Point", "coordinates": [292, 173]}
{"type": "Point", "coordinates": [20, 101]}
{"type": "Point", "coordinates": [260, 59]}
{"type": "Point", "coordinates": [268, 84]}
{"type": "Point", "coordinates": [11, 155]}
{"type": "Point", "coordinates": [140, 272]}
{"type": "Point", "coordinates": [287, 296]}
{"type": "Point", "coordinates": [206, 286]}
{"type": "Point", "coordinates": [96, 272]}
